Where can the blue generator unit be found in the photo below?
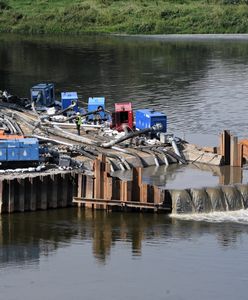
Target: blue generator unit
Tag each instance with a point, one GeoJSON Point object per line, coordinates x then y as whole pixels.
{"type": "Point", "coordinates": [67, 98]}
{"type": "Point", "coordinates": [3, 150]}
{"type": "Point", "coordinates": [43, 94]}
{"type": "Point", "coordinates": [19, 150]}
{"type": "Point", "coordinates": [146, 118]}
{"type": "Point", "coordinates": [28, 149]}
{"type": "Point", "coordinates": [95, 103]}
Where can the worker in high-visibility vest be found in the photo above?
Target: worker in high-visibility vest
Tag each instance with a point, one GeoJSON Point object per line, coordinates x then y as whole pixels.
{"type": "Point", "coordinates": [78, 122]}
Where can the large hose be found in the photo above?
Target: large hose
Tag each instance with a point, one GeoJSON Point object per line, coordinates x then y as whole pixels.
{"type": "Point", "coordinates": [163, 154]}
{"type": "Point", "coordinates": [131, 135]}
{"type": "Point", "coordinates": [64, 110]}
{"type": "Point", "coordinates": [81, 115]}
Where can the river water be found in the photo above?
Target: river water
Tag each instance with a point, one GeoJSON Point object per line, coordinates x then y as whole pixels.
{"type": "Point", "coordinates": [202, 86]}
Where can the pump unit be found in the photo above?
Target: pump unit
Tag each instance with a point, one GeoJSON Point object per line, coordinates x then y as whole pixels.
{"type": "Point", "coordinates": [68, 98]}
{"type": "Point", "coordinates": [95, 103]}
{"type": "Point", "coordinates": [43, 94]}
{"type": "Point", "coordinates": [23, 149]}
{"type": "Point", "coordinates": [146, 118]}
{"type": "Point", "coordinates": [123, 116]}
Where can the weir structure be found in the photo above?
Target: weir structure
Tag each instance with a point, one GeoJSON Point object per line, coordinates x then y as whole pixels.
{"type": "Point", "coordinates": [31, 192]}
{"type": "Point", "coordinates": [102, 191]}
{"type": "Point", "coordinates": [41, 191]}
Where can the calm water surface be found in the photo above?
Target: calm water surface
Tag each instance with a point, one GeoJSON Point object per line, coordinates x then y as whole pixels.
{"type": "Point", "coordinates": [202, 86]}
{"type": "Point", "coordinates": [68, 254]}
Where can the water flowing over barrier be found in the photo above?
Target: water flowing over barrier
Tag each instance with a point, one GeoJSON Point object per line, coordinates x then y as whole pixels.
{"type": "Point", "coordinates": [206, 200]}
{"type": "Point", "coordinates": [103, 191]}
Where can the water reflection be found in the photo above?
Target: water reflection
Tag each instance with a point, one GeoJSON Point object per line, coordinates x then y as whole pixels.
{"type": "Point", "coordinates": [23, 239]}
{"type": "Point", "coordinates": [189, 176]}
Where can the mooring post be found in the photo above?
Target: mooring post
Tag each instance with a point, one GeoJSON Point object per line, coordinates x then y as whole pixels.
{"type": "Point", "coordinates": [136, 184]}
{"type": "Point", "coordinates": [236, 152]}
{"type": "Point", "coordinates": [225, 146]}
{"type": "Point", "coordinates": [240, 154]}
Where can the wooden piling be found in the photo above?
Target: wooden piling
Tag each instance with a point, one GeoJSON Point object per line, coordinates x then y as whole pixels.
{"type": "Point", "coordinates": [105, 192]}
{"type": "Point", "coordinates": [236, 155]}
{"type": "Point", "coordinates": [136, 184]}
{"type": "Point", "coordinates": [144, 193]}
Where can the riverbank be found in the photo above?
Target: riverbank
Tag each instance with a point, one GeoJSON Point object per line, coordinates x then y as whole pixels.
{"type": "Point", "coordinates": [132, 17]}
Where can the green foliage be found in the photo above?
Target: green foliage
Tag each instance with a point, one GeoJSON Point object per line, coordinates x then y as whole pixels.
{"type": "Point", "coordinates": [4, 5]}
{"type": "Point", "coordinates": [124, 16]}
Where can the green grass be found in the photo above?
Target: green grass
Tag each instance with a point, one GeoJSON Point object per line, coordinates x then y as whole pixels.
{"type": "Point", "coordinates": [119, 16]}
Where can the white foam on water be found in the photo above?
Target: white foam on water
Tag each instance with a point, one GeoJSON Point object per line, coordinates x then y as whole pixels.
{"type": "Point", "coordinates": [239, 216]}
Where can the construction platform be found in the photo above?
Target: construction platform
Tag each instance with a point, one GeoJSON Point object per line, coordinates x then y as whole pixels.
{"type": "Point", "coordinates": [92, 184]}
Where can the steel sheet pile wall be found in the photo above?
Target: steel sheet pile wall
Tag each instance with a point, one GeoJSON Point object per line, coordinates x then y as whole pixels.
{"type": "Point", "coordinates": [102, 191]}
{"type": "Point", "coordinates": [39, 192]}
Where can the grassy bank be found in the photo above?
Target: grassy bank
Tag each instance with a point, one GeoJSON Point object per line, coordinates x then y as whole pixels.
{"type": "Point", "coordinates": [119, 16]}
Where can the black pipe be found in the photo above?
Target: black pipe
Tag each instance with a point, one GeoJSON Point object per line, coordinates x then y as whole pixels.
{"type": "Point", "coordinates": [82, 115]}
{"type": "Point", "coordinates": [155, 127]}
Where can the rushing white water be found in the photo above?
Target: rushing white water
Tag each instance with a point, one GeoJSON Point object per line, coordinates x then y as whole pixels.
{"type": "Point", "coordinates": [239, 216]}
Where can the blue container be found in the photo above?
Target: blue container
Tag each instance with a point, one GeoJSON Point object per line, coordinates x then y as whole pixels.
{"type": "Point", "coordinates": [24, 153]}
{"type": "Point", "coordinates": [28, 142]}
{"type": "Point", "coordinates": [29, 154]}
{"type": "Point", "coordinates": [67, 98]}
{"type": "Point", "coordinates": [12, 154]}
{"type": "Point", "coordinates": [94, 104]}
{"type": "Point", "coordinates": [3, 154]}
{"type": "Point", "coordinates": [3, 143]}
{"type": "Point", "coordinates": [29, 149]}
{"type": "Point", "coordinates": [34, 153]}
{"type": "Point", "coordinates": [146, 118]}
{"type": "Point", "coordinates": [43, 94]}
{"type": "Point", "coordinates": [13, 144]}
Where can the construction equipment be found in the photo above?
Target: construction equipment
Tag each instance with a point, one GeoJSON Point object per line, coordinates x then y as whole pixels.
{"type": "Point", "coordinates": [69, 98]}
{"type": "Point", "coordinates": [122, 117]}
{"type": "Point", "coordinates": [97, 104]}
{"type": "Point", "coordinates": [43, 94]}
{"type": "Point", "coordinates": [146, 118]}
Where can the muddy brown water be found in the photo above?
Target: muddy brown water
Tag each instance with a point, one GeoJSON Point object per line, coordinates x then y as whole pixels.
{"type": "Point", "coordinates": [201, 84]}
